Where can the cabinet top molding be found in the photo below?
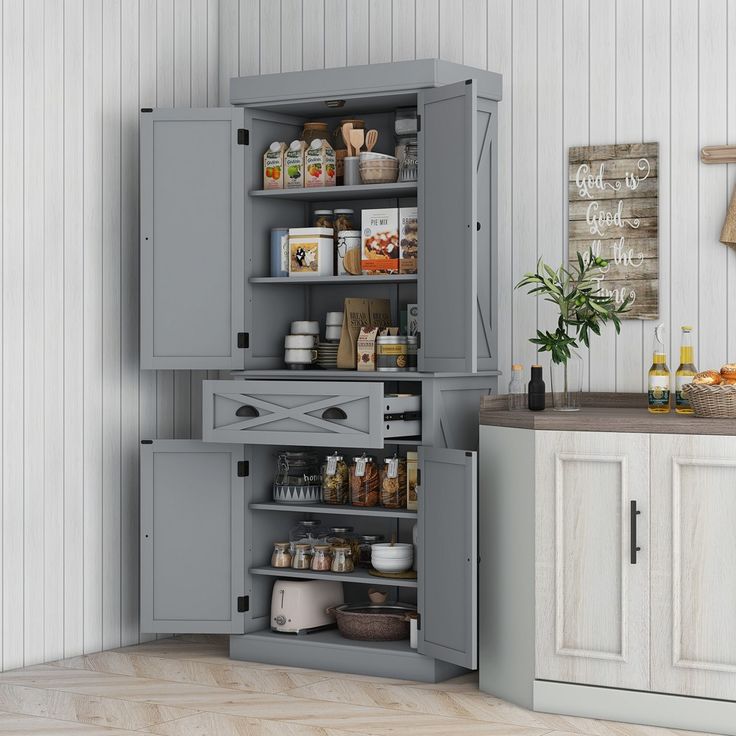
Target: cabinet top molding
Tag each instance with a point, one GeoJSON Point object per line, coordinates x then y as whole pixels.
{"type": "Point", "coordinates": [603, 413]}
{"type": "Point", "coordinates": [345, 83]}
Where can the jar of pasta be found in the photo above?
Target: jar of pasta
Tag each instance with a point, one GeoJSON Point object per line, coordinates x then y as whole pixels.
{"type": "Point", "coordinates": [335, 480]}
{"type": "Point", "coordinates": [393, 483]}
{"type": "Point", "coordinates": [364, 481]}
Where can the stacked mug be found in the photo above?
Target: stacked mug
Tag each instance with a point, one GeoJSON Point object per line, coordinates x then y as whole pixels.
{"type": "Point", "coordinates": [300, 347]}
{"type": "Point", "coordinates": [327, 350]}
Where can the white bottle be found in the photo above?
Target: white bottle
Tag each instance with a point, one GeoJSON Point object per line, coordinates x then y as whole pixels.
{"type": "Point", "coordinates": [517, 389]}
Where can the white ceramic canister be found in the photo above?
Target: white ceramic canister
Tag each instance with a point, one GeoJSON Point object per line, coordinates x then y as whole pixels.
{"type": "Point", "coordinates": [311, 251]}
{"type": "Point", "coordinates": [348, 253]}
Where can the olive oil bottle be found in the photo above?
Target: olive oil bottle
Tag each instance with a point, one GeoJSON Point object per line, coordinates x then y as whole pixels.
{"type": "Point", "coordinates": [659, 376]}
{"type": "Point", "coordinates": [685, 371]}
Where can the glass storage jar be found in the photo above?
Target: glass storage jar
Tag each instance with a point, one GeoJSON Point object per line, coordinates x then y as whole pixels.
{"type": "Point", "coordinates": [343, 536]}
{"type": "Point", "coordinates": [393, 483]}
{"type": "Point", "coordinates": [322, 559]}
{"type": "Point", "coordinates": [314, 130]}
{"type": "Point", "coordinates": [323, 218]}
{"type": "Point", "coordinates": [281, 556]}
{"type": "Point", "coordinates": [306, 531]}
{"type": "Point", "coordinates": [302, 558]}
{"type": "Point", "coordinates": [298, 479]}
{"type": "Point", "coordinates": [365, 542]}
{"type": "Point", "coordinates": [335, 480]}
{"type": "Point", "coordinates": [343, 219]}
{"type": "Point", "coordinates": [407, 151]}
{"type": "Point", "coordinates": [364, 481]}
{"type": "Point", "coordinates": [342, 560]}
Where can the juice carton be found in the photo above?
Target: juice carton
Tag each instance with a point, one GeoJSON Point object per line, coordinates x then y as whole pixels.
{"type": "Point", "coordinates": [273, 166]}
{"type": "Point", "coordinates": [294, 165]}
{"type": "Point", "coordinates": [319, 164]}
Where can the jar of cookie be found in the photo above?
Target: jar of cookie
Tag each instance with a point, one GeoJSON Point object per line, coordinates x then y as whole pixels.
{"type": "Point", "coordinates": [393, 483]}
{"type": "Point", "coordinates": [364, 481]}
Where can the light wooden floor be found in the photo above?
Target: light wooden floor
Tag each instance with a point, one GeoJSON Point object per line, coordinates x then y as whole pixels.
{"type": "Point", "coordinates": [188, 686]}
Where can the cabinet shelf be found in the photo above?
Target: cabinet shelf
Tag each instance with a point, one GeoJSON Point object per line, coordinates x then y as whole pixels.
{"type": "Point", "coordinates": [399, 278]}
{"type": "Point", "coordinates": [327, 509]}
{"type": "Point", "coordinates": [311, 374]}
{"type": "Point", "coordinates": [357, 576]}
{"type": "Point", "coordinates": [359, 191]}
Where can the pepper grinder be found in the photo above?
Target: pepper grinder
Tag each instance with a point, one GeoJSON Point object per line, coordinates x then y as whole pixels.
{"type": "Point", "coordinates": [536, 390]}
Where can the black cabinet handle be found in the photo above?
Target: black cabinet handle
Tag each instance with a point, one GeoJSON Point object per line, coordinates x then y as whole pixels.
{"type": "Point", "coordinates": [634, 547]}
{"type": "Point", "coordinates": [334, 412]}
{"type": "Point", "coordinates": [247, 411]}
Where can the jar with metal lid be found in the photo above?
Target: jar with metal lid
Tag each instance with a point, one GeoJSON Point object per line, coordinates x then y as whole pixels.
{"type": "Point", "coordinates": [393, 483]}
{"type": "Point", "coordinates": [335, 480]}
{"type": "Point", "coordinates": [343, 219]}
{"type": "Point", "coordinates": [298, 478]}
{"type": "Point", "coordinates": [281, 556]}
{"type": "Point", "coordinates": [306, 531]}
{"type": "Point", "coordinates": [408, 154]}
{"type": "Point", "coordinates": [364, 481]}
{"type": "Point", "coordinates": [343, 536]}
{"type": "Point", "coordinates": [322, 559]}
{"type": "Point", "coordinates": [411, 352]}
{"type": "Point", "coordinates": [365, 542]}
{"type": "Point", "coordinates": [323, 218]}
{"type": "Point", "coordinates": [302, 558]}
{"type": "Point", "coordinates": [392, 353]}
{"type": "Point", "coordinates": [342, 559]}
{"type": "Point", "coordinates": [314, 130]}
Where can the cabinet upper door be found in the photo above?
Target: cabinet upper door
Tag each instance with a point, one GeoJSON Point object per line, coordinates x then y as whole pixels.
{"type": "Point", "coordinates": [592, 589]}
{"type": "Point", "coordinates": [447, 564]}
{"type": "Point", "coordinates": [693, 565]}
{"type": "Point", "coordinates": [192, 538]}
{"type": "Point", "coordinates": [456, 197]}
{"type": "Point", "coordinates": [192, 238]}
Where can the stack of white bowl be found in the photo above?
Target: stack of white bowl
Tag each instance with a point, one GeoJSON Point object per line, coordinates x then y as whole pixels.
{"type": "Point", "coordinates": [378, 168]}
{"type": "Point", "coordinates": [387, 557]}
{"type": "Point", "coordinates": [300, 347]}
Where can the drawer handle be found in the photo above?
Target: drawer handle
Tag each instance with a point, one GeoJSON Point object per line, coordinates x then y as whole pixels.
{"type": "Point", "coordinates": [334, 412]}
{"type": "Point", "coordinates": [247, 411]}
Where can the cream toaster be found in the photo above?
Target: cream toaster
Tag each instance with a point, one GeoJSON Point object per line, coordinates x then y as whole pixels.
{"type": "Point", "coordinates": [299, 606]}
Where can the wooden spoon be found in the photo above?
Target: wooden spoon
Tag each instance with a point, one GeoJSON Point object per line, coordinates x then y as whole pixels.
{"type": "Point", "coordinates": [346, 130]}
{"type": "Point", "coordinates": [357, 136]}
{"type": "Point", "coordinates": [371, 139]}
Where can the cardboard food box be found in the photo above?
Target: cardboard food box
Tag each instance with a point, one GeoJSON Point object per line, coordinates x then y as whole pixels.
{"type": "Point", "coordinates": [380, 241]}
{"type": "Point", "coordinates": [408, 240]}
{"type": "Point", "coordinates": [273, 166]}
{"type": "Point", "coordinates": [311, 251]}
{"type": "Point", "coordinates": [294, 165]}
{"type": "Point", "coordinates": [412, 463]}
{"type": "Point", "coordinates": [367, 349]}
{"type": "Point", "coordinates": [319, 164]}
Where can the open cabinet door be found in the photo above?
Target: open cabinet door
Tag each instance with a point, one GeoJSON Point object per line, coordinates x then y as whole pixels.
{"type": "Point", "coordinates": [193, 563]}
{"type": "Point", "coordinates": [447, 290]}
{"type": "Point", "coordinates": [192, 238]}
{"type": "Point", "coordinates": [447, 565]}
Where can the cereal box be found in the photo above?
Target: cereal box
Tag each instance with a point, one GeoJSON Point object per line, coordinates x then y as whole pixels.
{"type": "Point", "coordinates": [380, 241]}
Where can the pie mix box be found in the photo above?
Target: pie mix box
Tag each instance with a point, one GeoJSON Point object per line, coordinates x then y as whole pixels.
{"type": "Point", "coordinates": [408, 240]}
{"type": "Point", "coordinates": [380, 240]}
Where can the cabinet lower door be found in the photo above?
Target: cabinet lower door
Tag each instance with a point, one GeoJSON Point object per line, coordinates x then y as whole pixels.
{"type": "Point", "coordinates": [592, 585]}
{"type": "Point", "coordinates": [447, 556]}
{"type": "Point", "coordinates": [694, 565]}
{"type": "Point", "coordinates": [192, 538]}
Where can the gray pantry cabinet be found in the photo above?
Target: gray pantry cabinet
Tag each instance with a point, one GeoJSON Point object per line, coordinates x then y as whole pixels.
{"type": "Point", "coordinates": [208, 521]}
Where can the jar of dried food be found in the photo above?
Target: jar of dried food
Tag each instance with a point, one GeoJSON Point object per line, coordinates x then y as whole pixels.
{"type": "Point", "coordinates": [297, 478]}
{"type": "Point", "coordinates": [364, 481]}
{"type": "Point", "coordinates": [335, 480]}
{"type": "Point", "coordinates": [322, 559]}
{"type": "Point", "coordinates": [302, 558]}
{"type": "Point", "coordinates": [343, 536]}
{"type": "Point", "coordinates": [343, 219]}
{"type": "Point", "coordinates": [342, 560]}
{"type": "Point", "coordinates": [365, 542]}
{"type": "Point", "coordinates": [306, 531]}
{"type": "Point", "coordinates": [393, 483]}
{"type": "Point", "coordinates": [314, 130]}
{"type": "Point", "coordinates": [407, 152]}
{"type": "Point", "coordinates": [281, 556]}
{"type": "Point", "coordinates": [323, 218]}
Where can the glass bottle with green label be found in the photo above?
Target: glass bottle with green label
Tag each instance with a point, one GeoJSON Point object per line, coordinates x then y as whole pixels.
{"type": "Point", "coordinates": [685, 371]}
{"type": "Point", "coordinates": [659, 376]}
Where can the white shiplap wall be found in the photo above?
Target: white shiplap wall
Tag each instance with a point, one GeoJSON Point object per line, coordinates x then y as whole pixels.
{"type": "Point", "coordinates": [73, 74]}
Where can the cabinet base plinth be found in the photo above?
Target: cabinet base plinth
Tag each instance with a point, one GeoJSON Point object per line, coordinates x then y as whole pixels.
{"type": "Point", "coordinates": [327, 650]}
{"type": "Point", "coordinates": [633, 706]}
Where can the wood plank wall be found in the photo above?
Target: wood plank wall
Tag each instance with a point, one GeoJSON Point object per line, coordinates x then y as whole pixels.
{"type": "Point", "coordinates": [73, 74]}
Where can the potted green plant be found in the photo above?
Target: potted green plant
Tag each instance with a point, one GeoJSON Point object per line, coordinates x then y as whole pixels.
{"type": "Point", "coordinates": [582, 310]}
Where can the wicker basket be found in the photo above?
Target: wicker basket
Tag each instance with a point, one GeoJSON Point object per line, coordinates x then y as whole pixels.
{"type": "Point", "coordinates": [712, 402]}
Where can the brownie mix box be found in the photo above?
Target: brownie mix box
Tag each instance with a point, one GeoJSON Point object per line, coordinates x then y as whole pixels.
{"type": "Point", "coordinates": [408, 240]}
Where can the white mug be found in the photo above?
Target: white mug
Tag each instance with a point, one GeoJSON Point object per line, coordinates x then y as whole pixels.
{"type": "Point", "coordinates": [304, 327]}
{"type": "Point", "coordinates": [305, 342]}
{"type": "Point", "coordinates": [299, 356]}
{"type": "Point", "coordinates": [332, 332]}
{"type": "Point", "coordinates": [334, 318]}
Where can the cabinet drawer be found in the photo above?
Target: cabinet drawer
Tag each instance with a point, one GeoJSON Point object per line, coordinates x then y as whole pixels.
{"type": "Point", "coordinates": [313, 413]}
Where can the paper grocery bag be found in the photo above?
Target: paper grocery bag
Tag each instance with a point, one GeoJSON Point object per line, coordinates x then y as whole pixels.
{"type": "Point", "coordinates": [357, 314]}
{"type": "Point", "coordinates": [380, 313]}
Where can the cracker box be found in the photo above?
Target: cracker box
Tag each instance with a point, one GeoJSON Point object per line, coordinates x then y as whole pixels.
{"type": "Point", "coordinates": [408, 240]}
{"type": "Point", "coordinates": [380, 241]}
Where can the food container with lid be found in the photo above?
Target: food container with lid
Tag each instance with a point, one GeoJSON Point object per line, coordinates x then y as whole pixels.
{"type": "Point", "coordinates": [280, 251]}
{"type": "Point", "coordinates": [348, 253]}
{"type": "Point", "coordinates": [323, 218]}
{"type": "Point", "coordinates": [302, 557]}
{"type": "Point", "coordinates": [365, 543]}
{"type": "Point", "coordinates": [405, 121]}
{"type": "Point", "coordinates": [392, 353]}
{"type": "Point", "coordinates": [298, 478]}
{"type": "Point", "coordinates": [335, 489]}
{"type": "Point", "coordinates": [342, 559]}
{"type": "Point", "coordinates": [393, 483]}
{"type": "Point", "coordinates": [322, 558]}
{"type": "Point", "coordinates": [312, 130]}
{"type": "Point", "coordinates": [364, 481]}
{"type": "Point", "coordinates": [311, 251]}
{"type": "Point", "coordinates": [281, 556]}
{"type": "Point", "coordinates": [307, 531]}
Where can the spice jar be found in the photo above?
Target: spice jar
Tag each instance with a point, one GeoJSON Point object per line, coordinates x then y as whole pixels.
{"type": "Point", "coordinates": [343, 536]}
{"type": "Point", "coordinates": [365, 542]}
{"type": "Point", "coordinates": [323, 218]}
{"type": "Point", "coordinates": [281, 556]}
{"type": "Point", "coordinates": [306, 531]}
{"type": "Point", "coordinates": [342, 560]}
{"type": "Point", "coordinates": [335, 480]}
{"type": "Point", "coordinates": [322, 559]}
{"type": "Point", "coordinates": [393, 483]}
{"type": "Point", "coordinates": [313, 130]}
{"type": "Point", "coordinates": [302, 558]}
{"type": "Point", "coordinates": [364, 482]}
{"type": "Point", "coordinates": [392, 353]}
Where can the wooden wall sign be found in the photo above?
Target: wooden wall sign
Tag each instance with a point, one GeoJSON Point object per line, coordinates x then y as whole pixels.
{"type": "Point", "coordinates": [613, 209]}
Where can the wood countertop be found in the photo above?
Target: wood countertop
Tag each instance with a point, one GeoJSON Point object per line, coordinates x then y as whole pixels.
{"type": "Point", "coordinates": [602, 413]}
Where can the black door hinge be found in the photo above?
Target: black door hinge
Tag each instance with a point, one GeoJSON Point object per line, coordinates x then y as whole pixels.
{"type": "Point", "coordinates": [243, 468]}
{"type": "Point", "coordinates": [243, 340]}
{"type": "Point", "coordinates": [419, 123]}
{"type": "Point", "coordinates": [243, 603]}
{"type": "Point", "coordinates": [243, 137]}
